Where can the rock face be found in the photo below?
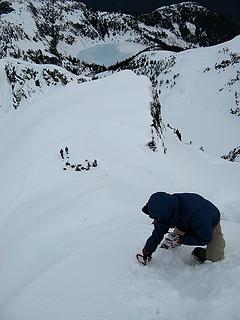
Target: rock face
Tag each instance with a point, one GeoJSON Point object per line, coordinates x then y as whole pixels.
{"type": "Point", "coordinates": [192, 22]}
{"type": "Point", "coordinates": [5, 7]}
{"type": "Point", "coordinates": [233, 155]}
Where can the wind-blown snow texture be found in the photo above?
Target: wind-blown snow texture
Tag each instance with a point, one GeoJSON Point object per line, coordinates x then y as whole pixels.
{"type": "Point", "coordinates": [68, 238]}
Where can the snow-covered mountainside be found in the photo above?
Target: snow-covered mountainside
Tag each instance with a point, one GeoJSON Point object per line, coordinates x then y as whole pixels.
{"type": "Point", "coordinates": [40, 30]}
{"type": "Point", "coordinates": [69, 237]}
{"type": "Point", "coordinates": [199, 92]}
{"type": "Point", "coordinates": [55, 32]}
{"type": "Point", "coordinates": [36, 56]}
{"type": "Point", "coordinates": [21, 80]}
{"type": "Point", "coordinates": [193, 23]}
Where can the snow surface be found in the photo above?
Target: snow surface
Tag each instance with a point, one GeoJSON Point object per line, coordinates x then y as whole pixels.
{"type": "Point", "coordinates": [68, 239]}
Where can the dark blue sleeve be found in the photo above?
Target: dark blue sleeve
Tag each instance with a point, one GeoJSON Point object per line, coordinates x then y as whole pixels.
{"type": "Point", "coordinates": [201, 234]}
{"type": "Point", "coordinates": [157, 235]}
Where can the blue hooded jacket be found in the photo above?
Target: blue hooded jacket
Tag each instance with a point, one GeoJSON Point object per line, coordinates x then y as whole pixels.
{"type": "Point", "coordinates": [188, 212]}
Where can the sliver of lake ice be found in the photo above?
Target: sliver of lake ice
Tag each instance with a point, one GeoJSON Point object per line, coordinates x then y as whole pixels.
{"type": "Point", "coordinates": [109, 53]}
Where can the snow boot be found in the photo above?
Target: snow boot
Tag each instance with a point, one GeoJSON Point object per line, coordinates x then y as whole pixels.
{"type": "Point", "coordinates": [199, 254]}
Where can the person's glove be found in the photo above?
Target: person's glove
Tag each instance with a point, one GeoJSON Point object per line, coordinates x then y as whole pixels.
{"type": "Point", "coordinates": [172, 240]}
{"type": "Point", "coordinates": [147, 256]}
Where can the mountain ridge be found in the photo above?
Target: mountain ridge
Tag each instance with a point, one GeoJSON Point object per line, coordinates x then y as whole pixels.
{"type": "Point", "coordinates": [58, 29]}
{"type": "Point", "coordinates": [228, 10]}
{"type": "Point", "coordinates": [42, 54]}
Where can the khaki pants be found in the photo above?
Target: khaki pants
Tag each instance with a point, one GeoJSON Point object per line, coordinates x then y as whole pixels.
{"type": "Point", "coordinates": [215, 248]}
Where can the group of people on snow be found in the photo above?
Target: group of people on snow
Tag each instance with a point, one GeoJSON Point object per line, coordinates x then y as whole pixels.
{"type": "Point", "coordinates": [64, 153]}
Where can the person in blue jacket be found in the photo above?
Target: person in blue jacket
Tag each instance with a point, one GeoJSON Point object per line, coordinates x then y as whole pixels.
{"type": "Point", "coordinates": [196, 222]}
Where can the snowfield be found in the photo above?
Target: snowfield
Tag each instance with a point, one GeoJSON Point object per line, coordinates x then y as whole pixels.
{"type": "Point", "coordinates": [68, 238]}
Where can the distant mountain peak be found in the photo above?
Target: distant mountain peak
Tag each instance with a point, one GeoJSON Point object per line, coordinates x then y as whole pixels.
{"type": "Point", "coordinates": [192, 4]}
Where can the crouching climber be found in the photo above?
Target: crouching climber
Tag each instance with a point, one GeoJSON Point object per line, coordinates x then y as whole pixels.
{"type": "Point", "coordinates": [196, 222]}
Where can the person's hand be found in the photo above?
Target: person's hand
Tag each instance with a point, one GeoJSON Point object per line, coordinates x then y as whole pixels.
{"type": "Point", "coordinates": [147, 256]}
{"type": "Point", "coordinates": [172, 240]}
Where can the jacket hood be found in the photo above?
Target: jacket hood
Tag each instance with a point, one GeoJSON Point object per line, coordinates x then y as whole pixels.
{"type": "Point", "coordinates": [163, 207]}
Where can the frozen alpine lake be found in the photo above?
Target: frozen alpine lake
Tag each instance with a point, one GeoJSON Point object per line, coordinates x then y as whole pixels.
{"type": "Point", "coordinates": [109, 53]}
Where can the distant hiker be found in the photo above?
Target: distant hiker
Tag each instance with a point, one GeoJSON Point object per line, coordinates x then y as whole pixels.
{"type": "Point", "coordinates": [196, 222]}
{"type": "Point", "coordinates": [66, 150]}
{"type": "Point", "coordinates": [61, 153]}
{"type": "Point", "coordinates": [178, 134]}
{"type": "Point", "coordinates": [94, 163]}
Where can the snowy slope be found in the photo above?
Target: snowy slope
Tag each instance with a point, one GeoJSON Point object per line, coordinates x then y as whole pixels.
{"type": "Point", "coordinates": [68, 239]}
{"type": "Point", "coordinates": [199, 92]}
{"type": "Point", "coordinates": [199, 102]}
{"type": "Point", "coordinates": [22, 80]}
